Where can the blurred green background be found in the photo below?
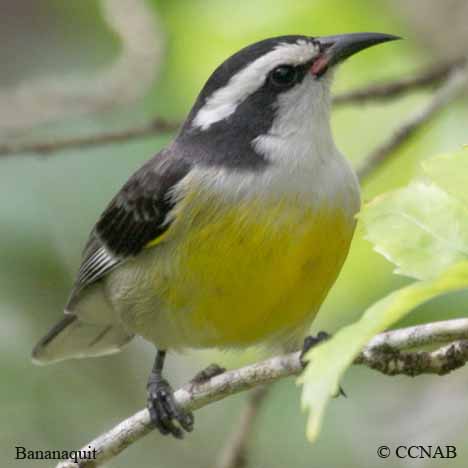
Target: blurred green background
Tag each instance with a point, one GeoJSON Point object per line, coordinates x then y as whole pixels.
{"type": "Point", "coordinates": [75, 68]}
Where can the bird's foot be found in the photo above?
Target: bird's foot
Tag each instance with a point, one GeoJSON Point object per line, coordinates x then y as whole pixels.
{"type": "Point", "coordinates": [164, 411]}
{"type": "Point", "coordinates": [309, 343]}
{"type": "Point", "coordinates": [206, 374]}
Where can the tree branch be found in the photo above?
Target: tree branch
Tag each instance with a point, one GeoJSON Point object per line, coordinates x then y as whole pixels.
{"type": "Point", "coordinates": [156, 127]}
{"type": "Point", "coordinates": [393, 362]}
{"type": "Point", "coordinates": [378, 92]}
{"type": "Point", "coordinates": [421, 335]}
{"type": "Point", "coordinates": [454, 86]}
{"type": "Point", "coordinates": [383, 353]}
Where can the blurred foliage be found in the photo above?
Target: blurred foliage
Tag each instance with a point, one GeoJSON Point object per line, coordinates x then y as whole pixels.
{"type": "Point", "coordinates": [423, 228]}
{"type": "Point", "coordinates": [48, 206]}
{"type": "Point", "coordinates": [328, 362]}
{"type": "Point", "coordinates": [424, 231]}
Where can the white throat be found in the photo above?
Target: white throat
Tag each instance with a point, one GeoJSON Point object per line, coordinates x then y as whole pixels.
{"type": "Point", "coordinates": [301, 133]}
{"type": "Point", "coordinates": [302, 152]}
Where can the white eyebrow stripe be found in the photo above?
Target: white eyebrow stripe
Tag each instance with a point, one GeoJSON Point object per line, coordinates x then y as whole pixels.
{"type": "Point", "coordinates": [224, 101]}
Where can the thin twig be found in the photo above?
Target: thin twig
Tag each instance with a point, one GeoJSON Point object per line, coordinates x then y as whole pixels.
{"type": "Point", "coordinates": [234, 453]}
{"type": "Point", "coordinates": [444, 331]}
{"type": "Point", "coordinates": [432, 76]}
{"type": "Point", "coordinates": [393, 362]}
{"type": "Point", "coordinates": [156, 127]}
{"type": "Point", "coordinates": [382, 353]}
{"type": "Point", "coordinates": [453, 87]}
{"type": "Point", "coordinates": [388, 90]}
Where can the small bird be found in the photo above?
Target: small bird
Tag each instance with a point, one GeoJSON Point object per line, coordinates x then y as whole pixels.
{"type": "Point", "coordinates": [233, 234]}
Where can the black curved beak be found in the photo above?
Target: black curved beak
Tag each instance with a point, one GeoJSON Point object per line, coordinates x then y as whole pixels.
{"type": "Point", "coordinates": [335, 49]}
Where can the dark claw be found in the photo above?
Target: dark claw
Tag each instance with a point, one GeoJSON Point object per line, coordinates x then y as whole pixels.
{"type": "Point", "coordinates": [206, 374]}
{"type": "Point", "coordinates": [164, 411]}
{"type": "Point", "coordinates": [165, 414]}
{"type": "Point", "coordinates": [157, 413]}
{"type": "Point", "coordinates": [185, 419]}
{"type": "Point", "coordinates": [309, 343]}
{"type": "Point", "coordinates": [341, 392]}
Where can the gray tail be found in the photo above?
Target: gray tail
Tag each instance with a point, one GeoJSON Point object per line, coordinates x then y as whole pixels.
{"type": "Point", "coordinates": [73, 338]}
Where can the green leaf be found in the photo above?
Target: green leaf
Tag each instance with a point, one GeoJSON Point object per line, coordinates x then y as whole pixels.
{"type": "Point", "coordinates": [329, 361]}
{"type": "Point", "coordinates": [423, 228]}
{"type": "Point", "coordinates": [450, 173]}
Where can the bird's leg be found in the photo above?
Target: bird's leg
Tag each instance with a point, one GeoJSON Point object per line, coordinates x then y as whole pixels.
{"type": "Point", "coordinates": [162, 407]}
{"type": "Point", "coordinates": [309, 343]}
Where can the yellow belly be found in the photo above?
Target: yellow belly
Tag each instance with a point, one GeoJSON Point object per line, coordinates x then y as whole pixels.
{"type": "Point", "coordinates": [241, 276]}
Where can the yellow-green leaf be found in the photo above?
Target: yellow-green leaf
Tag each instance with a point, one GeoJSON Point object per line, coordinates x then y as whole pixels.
{"type": "Point", "coordinates": [450, 173]}
{"type": "Point", "coordinates": [423, 228]}
{"type": "Point", "coordinates": [329, 361]}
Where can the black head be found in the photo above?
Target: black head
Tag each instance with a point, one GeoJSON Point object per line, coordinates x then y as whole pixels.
{"type": "Point", "coordinates": [246, 94]}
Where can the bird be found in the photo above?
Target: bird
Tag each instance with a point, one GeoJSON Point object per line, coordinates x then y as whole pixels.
{"type": "Point", "coordinates": [233, 234]}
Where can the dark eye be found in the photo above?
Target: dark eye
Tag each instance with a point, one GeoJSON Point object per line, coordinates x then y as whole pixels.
{"type": "Point", "coordinates": [283, 76]}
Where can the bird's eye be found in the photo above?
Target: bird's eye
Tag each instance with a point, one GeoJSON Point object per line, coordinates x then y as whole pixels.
{"type": "Point", "coordinates": [283, 76]}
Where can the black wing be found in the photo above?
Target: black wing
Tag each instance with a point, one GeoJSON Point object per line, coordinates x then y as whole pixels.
{"type": "Point", "coordinates": [136, 216]}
